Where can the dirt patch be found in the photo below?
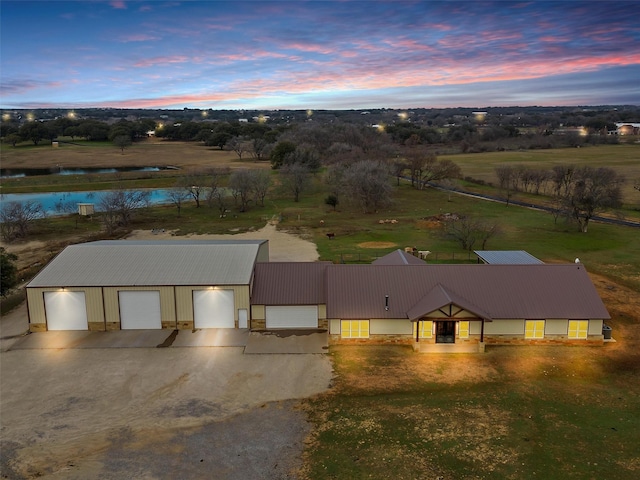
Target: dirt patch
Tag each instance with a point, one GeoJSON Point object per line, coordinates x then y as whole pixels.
{"type": "Point", "coordinates": [377, 245]}
{"type": "Point", "coordinates": [283, 246]}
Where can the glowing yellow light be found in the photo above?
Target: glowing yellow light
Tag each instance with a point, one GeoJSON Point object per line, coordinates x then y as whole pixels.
{"type": "Point", "coordinates": [204, 114]}
{"type": "Point", "coordinates": [380, 127]}
{"type": "Point", "coordinates": [6, 117]}
{"type": "Point", "coordinates": [309, 112]}
{"type": "Point", "coordinates": [403, 115]}
{"type": "Point", "coordinates": [71, 115]}
{"type": "Point", "coordinates": [479, 116]}
{"type": "Point", "coordinates": [30, 117]}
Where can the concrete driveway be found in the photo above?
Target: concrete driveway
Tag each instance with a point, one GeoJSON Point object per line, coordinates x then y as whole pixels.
{"type": "Point", "coordinates": [113, 413]}
{"type": "Point", "coordinates": [298, 341]}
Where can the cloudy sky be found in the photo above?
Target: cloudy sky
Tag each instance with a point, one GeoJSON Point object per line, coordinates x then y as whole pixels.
{"type": "Point", "coordinates": [318, 54]}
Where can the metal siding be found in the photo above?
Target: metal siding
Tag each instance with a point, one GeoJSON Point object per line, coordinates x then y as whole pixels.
{"type": "Point", "coordinates": [334, 327]}
{"type": "Point", "coordinates": [390, 327]}
{"type": "Point", "coordinates": [475, 328]}
{"type": "Point", "coordinates": [35, 300]}
{"type": "Point", "coordinates": [297, 316]}
{"type": "Point", "coordinates": [257, 312]}
{"type": "Point", "coordinates": [556, 327]}
{"type": "Point", "coordinates": [504, 327]}
{"type": "Point", "coordinates": [322, 312]}
{"type": "Point", "coordinates": [595, 327]}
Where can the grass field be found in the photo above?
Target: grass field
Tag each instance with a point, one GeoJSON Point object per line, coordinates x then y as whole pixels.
{"type": "Point", "coordinates": [515, 412]}
{"type": "Point", "coordinates": [625, 159]}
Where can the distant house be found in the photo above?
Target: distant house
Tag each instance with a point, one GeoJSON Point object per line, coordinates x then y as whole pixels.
{"type": "Point", "coordinates": [628, 128]}
{"type": "Point", "coordinates": [400, 299]}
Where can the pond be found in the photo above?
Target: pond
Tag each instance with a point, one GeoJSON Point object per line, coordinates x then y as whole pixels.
{"type": "Point", "coordinates": [64, 203]}
{"type": "Point", "coordinates": [58, 170]}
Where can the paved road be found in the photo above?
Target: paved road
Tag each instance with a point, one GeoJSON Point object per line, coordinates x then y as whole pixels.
{"type": "Point", "coordinates": [533, 206]}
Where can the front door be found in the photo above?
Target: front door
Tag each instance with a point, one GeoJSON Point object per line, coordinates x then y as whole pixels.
{"type": "Point", "coordinates": [446, 332]}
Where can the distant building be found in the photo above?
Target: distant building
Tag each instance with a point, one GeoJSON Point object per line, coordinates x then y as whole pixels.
{"type": "Point", "coordinates": [628, 128]}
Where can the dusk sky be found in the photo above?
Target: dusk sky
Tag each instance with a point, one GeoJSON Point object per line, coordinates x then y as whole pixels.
{"type": "Point", "coordinates": [318, 55]}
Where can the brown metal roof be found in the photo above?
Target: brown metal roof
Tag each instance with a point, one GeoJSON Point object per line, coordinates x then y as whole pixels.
{"type": "Point", "coordinates": [439, 297]}
{"type": "Point", "coordinates": [289, 283]}
{"type": "Point", "coordinates": [398, 257]}
{"type": "Point", "coordinates": [497, 291]}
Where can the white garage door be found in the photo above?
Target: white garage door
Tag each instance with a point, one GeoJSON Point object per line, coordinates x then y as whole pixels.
{"type": "Point", "coordinates": [213, 309]}
{"type": "Point", "coordinates": [66, 311]}
{"type": "Point", "coordinates": [140, 310]}
{"type": "Point", "coordinates": [292, 317]}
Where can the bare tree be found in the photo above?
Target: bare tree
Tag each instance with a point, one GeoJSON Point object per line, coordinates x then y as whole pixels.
{"type": "Point", "coordinates": [122, 142]}
{"type": "Point", "coordinates": [16, 218]}
{"type": "Point", "coordinates": [221, 200]}
{"type": "Point", "coordinates": [178, 195]}
{"type": "Point", "coordinates": [366, 183]}
{"type": "Point", "coordinates": [195, 184]}
{"type": "Point", "coordinates": [118, 206]}
{"type": "Point", "coordinates": [295, 178]}
{"type": "Point", "coordinates": [261, 184]}
{"type": "Point", "coordinates": [259, 149]}
{"type": "Point", "coordinates": [594, 190]}
{"type": "Point", "coordinates": [468, 232]}
{"type": "Point", "coordinates": [241, 185]}
{"type": "Point", "coordinates": [506, 175]}
{"type": "Point", "coordinates": [240, 145]}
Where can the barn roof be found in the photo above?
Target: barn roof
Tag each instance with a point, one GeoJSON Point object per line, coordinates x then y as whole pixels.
{"type": "Point", "coordinates": [398, 257]}
{"type": "Point", "coordinates": [289, 283]}
{"type": "Point", "coordinates": [491, 291]}
{"type": "Point", "coordinates": [507, 257]}
{"type": "Point", "coordinates": [140, 263]}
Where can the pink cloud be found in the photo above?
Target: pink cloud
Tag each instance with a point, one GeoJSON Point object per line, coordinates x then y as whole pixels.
{"type": "Point", "coordinates": [161, 61]}
{"type": "Point", "coordinates": [118, 4]}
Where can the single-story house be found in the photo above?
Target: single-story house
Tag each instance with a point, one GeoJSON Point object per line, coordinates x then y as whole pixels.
{"type": "Point", "coordinates": [114, 285]}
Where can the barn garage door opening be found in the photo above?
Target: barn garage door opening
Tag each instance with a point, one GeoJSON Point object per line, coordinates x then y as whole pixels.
{"type": "Point", "coordinates": [292, 317]}
{"type": "Point", "coordinates": [140, 310]}
{"type": "Point", "coordinates": [213, 309]}
{"type": "Point", "coordinates": [66, 311]}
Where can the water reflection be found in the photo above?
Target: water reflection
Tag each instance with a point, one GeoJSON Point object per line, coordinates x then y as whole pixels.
{"type": "Point", "coordinates": [58, 170]}
{"type": "Point", "coordinates": [64, 203]}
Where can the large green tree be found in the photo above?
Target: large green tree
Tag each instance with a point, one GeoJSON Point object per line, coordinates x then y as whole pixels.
{"type": "Point", "coordinates": [8, 271]}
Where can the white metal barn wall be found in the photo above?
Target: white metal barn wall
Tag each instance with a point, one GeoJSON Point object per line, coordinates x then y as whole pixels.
{"type": "Point", "coordinates": [140, 310]}
{"type": "Point", "coordinates": [298, 316]}
{"type": "Point", "coordinates": [213, 308]}
{"type": "Point", "coordinates": [66, 310]}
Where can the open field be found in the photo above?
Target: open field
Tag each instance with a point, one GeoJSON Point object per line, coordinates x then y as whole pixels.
{"type": "Point", "coordinates": [624, 159]}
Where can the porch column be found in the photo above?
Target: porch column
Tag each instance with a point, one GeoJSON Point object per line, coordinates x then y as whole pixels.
{"type": "Point", "coordinates": [482, 332]}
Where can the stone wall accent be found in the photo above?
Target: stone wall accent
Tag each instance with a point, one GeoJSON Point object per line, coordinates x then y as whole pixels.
{"type": "Point", "coordinates": [258, 324]}
{"type": "Point", "coordinates": [184, 325]}
{"type": "Point", "coordinates": [168, 325]}
{"type": "Point", "coordinates": [37, 327]}
{"type": "Point", "coordinates": [97, 327]}
{"type": "Point", "coordinates": [111, 326]}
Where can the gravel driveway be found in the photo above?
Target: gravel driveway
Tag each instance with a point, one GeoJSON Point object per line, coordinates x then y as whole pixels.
{"type": "Point", "coordinates": [149, 413]}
